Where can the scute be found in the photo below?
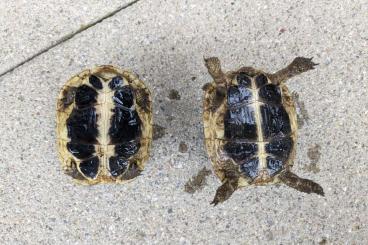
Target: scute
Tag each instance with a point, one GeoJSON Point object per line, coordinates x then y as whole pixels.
{"type": "Point", "coordinates": [250, 168]}
{"type": "Point", "coordinates": [240, 151]}
{"type": "Point", "coordinates": [275, 121]}
{"type": "Point", "coordinates": [95, 82]}
{"type": "Point", "coordinates": [80, 151]}
{"type": "Point", "coordinates": [127, 149]}
{"type": "Point", "coordinates": [116, 82]}
{"type": "Point", "coordinates": [261, 80]}
{"type": "Point", "coordinates": [117, 165]}
{"type": "Point", "coordinates": [125, 125]}
{"type": "Point", "coordinates": [89, 167]}
{"type": "Point", "coordinates": [280, 147]}
{"type": "Point", "coordinates": [124, 97]}
{"type": "Point", "coordinates": [85, 96]}
{"type": "Point", "coordinates": [243, 79]}
{"type": "Point", "coordinates": [82, 125]}
{"type": "Point", "coordinates": [274, 166]}
{"type": "Point", "coordinates": [238, 94]}
{"type": "Point", "coordinates": [240, 123]}
{"type": "Point", "coordinates": [270, 94]}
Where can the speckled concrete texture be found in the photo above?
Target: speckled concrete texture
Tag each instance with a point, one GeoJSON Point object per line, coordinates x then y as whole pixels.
{"type": "Point", "coordinates": [164, 42]}
{"type": "Point", "coordinates": [29, 27]}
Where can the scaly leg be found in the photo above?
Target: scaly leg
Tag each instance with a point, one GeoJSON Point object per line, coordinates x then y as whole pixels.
{"type": "Point", "coordinates": [298, 66]}
{"type": "Point", "coordinates": [132, 172]}
{"type": "Point", "coordinates": [304, 185]}
{"type": "Point", "coordinates": [230, 184]}
{"type": "Point", "coordinates": [214, 68]}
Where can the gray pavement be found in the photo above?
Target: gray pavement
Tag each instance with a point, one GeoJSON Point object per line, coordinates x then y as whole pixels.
{"type": "Point", "coordinates": [164, 42]}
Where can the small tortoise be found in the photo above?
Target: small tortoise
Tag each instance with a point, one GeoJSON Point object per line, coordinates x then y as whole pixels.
{"type": "Point", "coordinates": [250, 127]}
{"type": "Point", "coordinates": [104, 126]}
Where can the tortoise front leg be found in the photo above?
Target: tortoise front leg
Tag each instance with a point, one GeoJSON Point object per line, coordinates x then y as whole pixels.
{"type": "Point", "coordinates": [300, 184]}
{"type": "Point", "coordinates": [219, 94]}
{"type": "Point", "coordinates": [298, 66]}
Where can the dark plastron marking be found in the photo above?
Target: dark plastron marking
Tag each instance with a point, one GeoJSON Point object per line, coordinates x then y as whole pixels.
{"type": "Point", "coordinates": [275, 121]}
{"type": "Point", "coordinates": [238, 95]}
{"type": "Point", "coordinates": [125, 125]}
{"type": "Point", "coordinates": [240, 152]}
{"type": "Point", "coordinates": [240, 123]}
{"type": "Point", "coordinates": [243, 79]}
{"type": "Point", "coordinates": [127, 149]}
{"type": "Point", "coordinates": [116, 82]}
{"type": "Point", "coordinates": [239, 119]}
{"type": "Point", "coordinates": [274, 166]}
{"type": "Point", "coordinates": [95, 82]}
{"type": "Point", "coordinates": [80, 151]}
{"type": "Point", "coordinates": [125, 129]}
{"type": "Point", "coordinates": [250, 168]}
{"type": "Point", "coordinates": [261, 80]}
{"type": "Point", "coordinates": [85, 96]}
{"type": "Point", "coordinates": [82, 126]}
{"type": "Point", "coordinates": [117, 165]}
{"type": "Point", "coordinates": [270, 93]}
{"type": "Point", "coordinates": [89, 167]}
{"type": "Point", "coordinates": [279, 147]}
{"type": "Point", "coordinates": [124, 97]}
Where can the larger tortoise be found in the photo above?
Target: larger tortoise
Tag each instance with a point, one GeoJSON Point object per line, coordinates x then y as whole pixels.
{"type": "Point", "coordinates": [104, 126]}
{"type": "Point", "coordinates": [250, 127]}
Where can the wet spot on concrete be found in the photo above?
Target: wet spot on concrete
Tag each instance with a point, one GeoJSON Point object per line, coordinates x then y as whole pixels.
{"type": "Point", "coordinates": [323, 241]}
{"type": "Point", "coordinates": [282, 30]}
{"type": "Point", "coordinates": [314, 155]}
{"type": "Point", "coordinates": [158, 132]}
{"type": "Point", "coordinates": [198, 181]}
{"type": "Point", "coordinates": [174, 94]}
{"type": "Point", "coordinates": [302, 113]}
{"type": "Point", "coordinates": [183, 148]}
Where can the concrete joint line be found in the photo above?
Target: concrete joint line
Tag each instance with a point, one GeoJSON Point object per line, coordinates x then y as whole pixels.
{"type": "Point", "coordinates": [68, 37]}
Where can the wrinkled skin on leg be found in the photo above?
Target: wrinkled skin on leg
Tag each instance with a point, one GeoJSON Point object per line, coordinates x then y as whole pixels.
{"type": "Point", "coordinates": [298, 66]}
{"type": "Point", "coordinates": [214, 68]}
{"type": "Point", "coordinates": [300, 184]}
{"type": "Point", "coordinates": [132, 172]}
{"type": "Point", "coordinates": [230, 184]}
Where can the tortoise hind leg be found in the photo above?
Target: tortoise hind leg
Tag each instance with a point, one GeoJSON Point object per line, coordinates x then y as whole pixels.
{"type": "Point", "coordinates": [132, 172]}
{"type": "Point", "coordinates": [230, 184]}
{"type": "Point", "coordinates": [224, 192]}
{"type": "Point", "coordinates": [298, 66]}
{"type": "Point", "coordinates": [300, 184]}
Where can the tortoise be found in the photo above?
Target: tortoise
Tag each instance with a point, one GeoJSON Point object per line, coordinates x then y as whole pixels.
{"type": "Point", "coordinates": [104, 125]}
{"type": "Point", "coordinates": [250, 127]}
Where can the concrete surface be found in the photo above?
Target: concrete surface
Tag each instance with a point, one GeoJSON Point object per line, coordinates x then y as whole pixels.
{"type": "Point", "coordinates": [28, 27]}
{"type": "Point", "coordinates": [164, 42]}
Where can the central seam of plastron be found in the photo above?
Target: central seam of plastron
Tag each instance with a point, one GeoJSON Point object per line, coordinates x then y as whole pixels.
{"type": "Point", "coordinates": [105, 119]}
{"type": "Point", "coordinates": [103, 127]}
{"type": "Point", "coordinates": [257, 115]}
